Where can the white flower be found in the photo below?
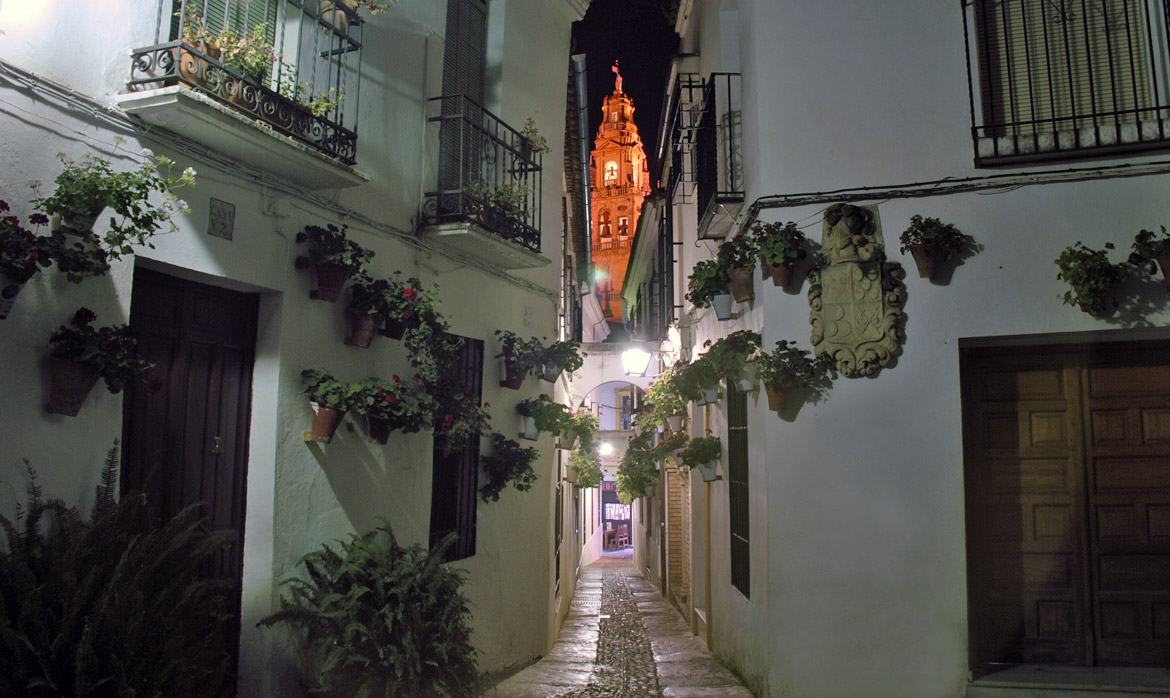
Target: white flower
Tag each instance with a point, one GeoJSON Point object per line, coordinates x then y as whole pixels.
{"type": "Point", "coordinates": [189, 172]}
{"type": "Point", "coordinates": [146, 152]}
{"type": "Point", "coordinates": [182, 206]}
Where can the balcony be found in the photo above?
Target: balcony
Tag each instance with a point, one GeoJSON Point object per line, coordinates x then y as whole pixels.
{"type": "Point", "coordinates": [719, 155]}
{"type": "Point", "coordinates": [276, 89]}
{"type": "Point", "coordinates": [486, 203]}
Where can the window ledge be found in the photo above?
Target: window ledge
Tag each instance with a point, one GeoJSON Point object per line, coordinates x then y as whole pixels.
{"type": "Point", "coordinates": [200, 118]}
{"type": "Point", "coordinates": [720, 217]}
{"type": "Point", "coordinates": [471, 240]}
{"type": "Point", "coordinates": [1072, 142]}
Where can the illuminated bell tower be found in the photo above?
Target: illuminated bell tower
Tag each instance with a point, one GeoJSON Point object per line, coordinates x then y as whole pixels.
{"type": "Point", "coordinates": [619, 180]}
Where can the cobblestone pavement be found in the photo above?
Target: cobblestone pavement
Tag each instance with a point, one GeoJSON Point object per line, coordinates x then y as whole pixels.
{"type": "Point", "coordinates": [622, 640]}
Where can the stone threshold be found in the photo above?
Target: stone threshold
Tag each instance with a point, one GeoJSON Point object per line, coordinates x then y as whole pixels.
{"type": "Point", "coordinates": [1037, 681]}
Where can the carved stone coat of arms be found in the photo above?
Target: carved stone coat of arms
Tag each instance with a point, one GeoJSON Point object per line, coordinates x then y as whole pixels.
{"type": "Point", "coordinates": [857, 298]}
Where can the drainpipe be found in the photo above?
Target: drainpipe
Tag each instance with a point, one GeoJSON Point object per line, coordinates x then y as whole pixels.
{"type": "Point", "coordinates": [578, 61]}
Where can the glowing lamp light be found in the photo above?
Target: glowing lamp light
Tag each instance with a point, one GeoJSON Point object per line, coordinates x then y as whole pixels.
{"type": "Point", "coordinates": [636, 361]}
{"type": "Point", "coordinates": [606, 449]}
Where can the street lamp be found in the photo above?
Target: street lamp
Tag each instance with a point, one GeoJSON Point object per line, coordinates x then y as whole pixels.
{"type": "Point", "coordinates": [636, 361]}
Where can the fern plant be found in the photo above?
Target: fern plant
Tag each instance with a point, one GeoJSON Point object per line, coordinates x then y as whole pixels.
{"type": "Point", "coordinates": [378, 619]}
{"type": "Point", "coordinates": [113, 606]}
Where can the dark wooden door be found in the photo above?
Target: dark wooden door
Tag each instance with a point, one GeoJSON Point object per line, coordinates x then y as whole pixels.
{"type": "Point", "coordinates": [1068, 505]}
{"type": "Point", "coordinates": [188, 443]}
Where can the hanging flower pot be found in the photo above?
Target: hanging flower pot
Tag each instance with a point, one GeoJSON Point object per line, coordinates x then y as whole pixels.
{"type": "Point", "coordinates": [363, 327]}
{"type": "Point", "coordinates": [775, 393]}
{"type": "Point", "coordinates": [550, 372]}
{"type": "Point", "coordinates": [69, 385]}
{"type": "Point", "coordinates": [331, 280]}
{"type": "Point", "coordinates": [747, 376]}
{"type": "Point", "coordinates": [708, 396]}
{"type": "Point", "coordinates": [377, 429]}
{"type": "Point", "coordinates": [740, 284]}
{"type": "Point", "coordinates": [572, 476]}
{"type": "Point", "coordinates": [530, 433]}
{"type": "Point", "coordinates": [707, 470]}
{"type": "Point", "coordinates": [325, 422]}
{"type": "Point", "coordinates": [926, 258]}
{"type": "Point", "coordinates": [9, 290]}
{"type": "Point", "coordinates": [512, 375]}
{"type": "Point", "coordinates": [675, 421]}
{"type": "Point", "coordinates": [568, 440]}
{"type": "Point", "coordinates": [1164, 263]}
{"type": "Point", "coordinates": [781, 274]}
{"type": "Point", "coordinates": [721, 302]}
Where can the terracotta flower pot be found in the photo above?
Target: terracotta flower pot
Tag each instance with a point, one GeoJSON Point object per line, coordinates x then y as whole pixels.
{"type": "Point", "coordinates": [513, 376]}
{"type": "Point", "coordinates": [378, 430]}
{"type": "Point", "coordinates": [722, 305]}
{"type": "Point", "coordinates": [325, 422]}
{"type": "Point", "coordinates": [781, 274]}
{"type": "Point", "coordinates": [1164, 263]}
{"type": "Point", "coordinates": [331, 280]}
{"type": "Point", "coordinates": [332, 13]}
{"type": "Point", "coordinates": [926, 258]}
{"type": "Point", "coordinates": [740, 284]}
{"type": "Point", "coordinates": [69, 385]}
{"type": "Point", "coordinates": [775, 396]}
{"type": "Point", "coordinates": [363, 327]}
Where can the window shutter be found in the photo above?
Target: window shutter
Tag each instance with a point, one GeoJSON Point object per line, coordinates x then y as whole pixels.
{"type": "Point", "coordinates": [464, 66]}
{"type": "Point", "coordinates": [737, 488]}
{"type": "Point", "coordinates": [240, 16]}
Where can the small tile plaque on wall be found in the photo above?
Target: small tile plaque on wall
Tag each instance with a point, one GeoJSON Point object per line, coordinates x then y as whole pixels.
{"type": "Point", "coordinates": [222, 219]}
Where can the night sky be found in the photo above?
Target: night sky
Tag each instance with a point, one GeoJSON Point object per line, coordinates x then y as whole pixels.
{"type": "Point", "coordinates": [636, 33]}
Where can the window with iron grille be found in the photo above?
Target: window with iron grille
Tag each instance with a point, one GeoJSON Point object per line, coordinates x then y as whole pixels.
{"type": "Point", "coordinates": [558, 531]}
{"type": "Point", "coordinates": [455, 476]}
{"type": "Point", "coordinates": [1065, 78]}
{"type": "Point", "coordinates": [737, 488]}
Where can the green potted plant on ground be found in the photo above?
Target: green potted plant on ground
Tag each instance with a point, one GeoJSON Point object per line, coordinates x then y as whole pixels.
{"type": "Point", "coordinates": [585, 467]}
{"type": "Point", "coordinates": [932, 242]}
{"type": "Point", "coordinates": [543, 414]}
{"type": "Point", "coordinates": [22, 254]}
{"type": "Point", "coordinates": [733, 357]}
{"type": "Point", "coordinates": [116, 605]}
{"type": "Point", "coordinates": [509, 462]}
{"type": "Point", "coordinates": [702, 453]}
{"type": "Point", "coordinates": [391, 405]}
{"type": "Point", "coordinates": [374, 618]}
{"type": "Point", "coordinates": [561, 356]}
{"type": "Point", "coordinates": [333, 256]}
{"type": "Point", "coordinates": [329, 399]}
{"type": "Point", "coordinates": [520, 357]}
{"type": "Point", "coordinates": [79, 354]}
{"type": "Point", "coordinates": [780, 247]}
{"type": "Point", "coordinates": [1090, 276]}
{"type": "Point", "coordinates": [787, 367]}
{"type": "Point", "coordinates": [1149, 249]}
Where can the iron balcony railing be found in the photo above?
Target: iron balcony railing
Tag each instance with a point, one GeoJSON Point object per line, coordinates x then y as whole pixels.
{"type": "Point", "coordinates": [489, 174]}
{"type": "Point", "coordinates": [293, 64]}
{"type": "Point", "coordinates": [719, 144]}
{"type": "Point", "coordinates": [1065, 78]}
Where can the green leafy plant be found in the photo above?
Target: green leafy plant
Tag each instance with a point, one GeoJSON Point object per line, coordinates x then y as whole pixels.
{"type": "Point", "coordinates": [932, 231]}
{"type": "Point", "coordinates": [710, 277]}
{"type": "Point", "coordinates": [636, 470]}
{"type": "Point", "coordinates": [458, 419]}
{"type": "Point", "coordinates": [587, 465]}
{"type": "Point", "coordinates": [318, 103]}
{"type": "Point", "coordinates": [1147, 247]}
{"type": "Point", "coordinates": [729, 354]}
{"type": "Point", "coordinates": [790, 366]}
{"type": "Point", "coordinates": [509, 462]}
{"type": "Point", "coordinates": [509, 201]}
{"type": "Point", "coordinates": [520, 355]}
{"type": "Point", "coordinates": [374, 618]}
{"type": "Point", "coordinates": [111, 352]}
{"type": "Point", "coordinates": [402, 405]}
{"type": "Point", "coordinates": [691, 379]}
{"type": "Point", "coordinates": [249, 53]}
{"type": "Point", "coordinates": [113, 606]}
{"type": "Point", "coordinates": [1090, 276]}
{"type": "Point", "coordinates": [582, 424]}
{"type": "Point", "coordinates": [22, 252]}
{"type": "Point", "coordinates": [703, 449]}
{"type": "Point", "coordinates": [778, 243]}
{"type": "Point", "coordinates": [322, 388]}
{"type": "Point", "coordinates": [407, 302]}
{"type": "Point", "coordinates": [531, 134]}
{"type": "Point", "coordinates": [669, 446]}
{"type": "Point", "coordinates": [550, 416]}
{"type": "Point", "coordinates": [663, 400]}
{"type": "Point", "coordinates": [331, 245]}
{"type": "Point", "coordinates": [564, 355]}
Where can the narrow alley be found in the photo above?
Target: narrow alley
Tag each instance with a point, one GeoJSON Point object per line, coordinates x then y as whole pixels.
{"type": "Point", "coordinates": [622, 640]}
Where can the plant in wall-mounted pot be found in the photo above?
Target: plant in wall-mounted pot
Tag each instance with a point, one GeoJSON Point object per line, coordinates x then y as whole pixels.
{"type": "Point", "coordinates": [392, 405]}
{"type": "Point", "coordinates": [520, 357]}
{"type": "Point", "coordinates": [509, 462]}
{"type": "Point", "coordinates": [1090, 276]}
{"type": "Point", "coordinates": [333, 256]}
{"type": "Point", "coordinates": [788, 367]}
{"type": "Point", "coordinates": [932, 242]}
{"type": "Point", "coordinates": [703, 453]}
{"type": "Point", "coordinates": [561, 356]}
{"type": "Point", "coordinates": [585, 468]}
{"type": "Point", "coordinates": [582, 425]}
{"type": "Point", "coordinates": [739, 258]}
{"type": "Point", "coordinates": [733, 357]}
{"type": "Point", "coordinates": [546, 415]}
{"type": "Point", "coordinates": [22, 254]}
{"type": "Point", "coordinates": [329, 399]}
{"type": "Point", "coordinates": [697, 380]}
{"type": "Point", "coordinates": [1148, 249]}
{"type": "Point", "coordinates": [780, 247]}
{"type": "Point", "coordinates": [79, 354]}
{"type": "Point", "coordinates": [707, 287]}
{"type": "Point", "coordinates": [459, 419]}
{"type": "Point", "coordinates": [531, 142]}
{"type": "Point", "coordinates": [666, 405]}
{"type": "Point", "coordinates": [637, 471]}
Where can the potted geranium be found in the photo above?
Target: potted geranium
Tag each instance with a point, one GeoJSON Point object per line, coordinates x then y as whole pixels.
{"type": "Point", "coordinates": [391, 405]}
{"type": "Point", "coordinates": [733, 357]}
{"type": "Point", "coordinates": [333, 256]}
{"type": "Point", "coordinates": [1090, 276]}
{"type": "Point", "coordinates": [531, 142]}
{"type": "Point", "coordinates": [932, 242]}
{"type": "Point", "coordinates": [459, 419]}
{"type": "Point", "coordinates": [702, 453]}
{"type": "Point", "coordinates": [509, 462]}
{"type": "Point", "coordinates": [80, 353]}
{"type": "Point", "coordinates": [787, 367]}
{"type": "Point", "coordinates": [329, 399]}
{"type": "Point", "coordinates": [585, 468]}
{"type": "Point", "coordinates": [542, 414]}
{"type": "Point", "coordinates": [666, 405]}
{"type": "Point", "coordinates": [561, 356]}
{"type": "Point", "coordinates": [637, 471]}
{"type": "Point", "coordinates": [582, 424]}
{"type": "Point", "coordinates": [87, 187]}
{"type": "Point", "coordinates": [780, 246]}
{"type": "Point", "coordinates": [739, 257]}
{"type": "Point", "coordinates": [1148, 249]}
{"type": "Point", "coordinates": [22, 254]}
{"type": "Point", "coordinates": [697, 380]}
{"type": "Point", "coordinates": [520, 356]}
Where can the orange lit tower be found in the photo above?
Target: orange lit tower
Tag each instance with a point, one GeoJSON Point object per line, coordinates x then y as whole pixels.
{"type": "Point", "coordinates": [620, 180]}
